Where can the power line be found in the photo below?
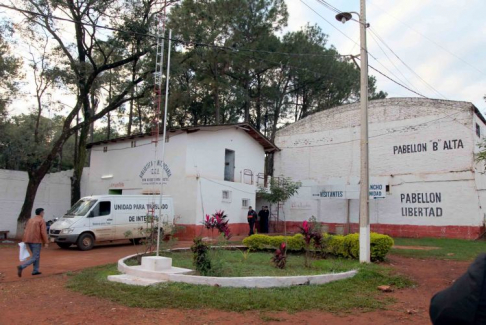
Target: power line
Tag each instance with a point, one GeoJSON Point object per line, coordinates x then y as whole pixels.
{"type": "Point", "coordinates": [389, 78]}
{"type": "Point", "coordinates": [399, 71]}
{"type": "Point", "coordinates": [329, 6]}
{"type": "Point", "coordinates": [320, 1]}
{"type": "Point", "coordinates": [406, 65]}
{"type": "Point", "coordinates": [413, 91]}
{"type": "Point", "coordinates": [429, 39]}
{"type": "Point", "coordinates": [378, 135]}
{"type": "Point", "coordinates": [234, 49]}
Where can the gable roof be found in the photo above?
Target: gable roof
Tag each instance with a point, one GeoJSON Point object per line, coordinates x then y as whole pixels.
{"type": "Point", "coordinates": [267, 145]}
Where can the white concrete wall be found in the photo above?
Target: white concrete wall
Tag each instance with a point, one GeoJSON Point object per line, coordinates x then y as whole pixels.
{"type": "Point", "coordinates": [212, 199]}
{"type": "Point", "coordinates": [54, 195]}
{"type": "Point", "coordinates": [324, 148]}
{"type": "Point", "coordinates": [206, 151]}
{"type": "Point", "coordinates": [196, 163]}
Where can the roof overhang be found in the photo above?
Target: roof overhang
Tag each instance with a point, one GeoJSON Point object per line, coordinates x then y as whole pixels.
{"type": "Point", "coordinates": [267, 145]}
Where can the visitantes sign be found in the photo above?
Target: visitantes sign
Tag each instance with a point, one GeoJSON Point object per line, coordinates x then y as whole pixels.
{"type": "Point", "coordinates": [348, 192]}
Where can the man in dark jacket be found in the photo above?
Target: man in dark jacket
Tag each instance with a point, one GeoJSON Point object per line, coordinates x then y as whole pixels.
{"type": "Point", "coordinates": [263, 214]}
{"type": "Point", "coordinates": [252, 216]}
{"type": "Point", "coordinates": [463, 303]}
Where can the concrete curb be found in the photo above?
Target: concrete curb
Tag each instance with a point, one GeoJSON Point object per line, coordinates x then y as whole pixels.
{"type": "Point", "coordinates": [236, 282]}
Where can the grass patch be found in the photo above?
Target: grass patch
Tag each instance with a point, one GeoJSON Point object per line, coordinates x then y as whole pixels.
{"type": "Point", "coordinates": [341, 296]}
{"type": "Point", "coordinates": [236, 263]}
{"type": "Point", "coordinates": [450, 249]}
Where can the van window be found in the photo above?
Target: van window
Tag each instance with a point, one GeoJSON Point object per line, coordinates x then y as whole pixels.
{"type": "Point", "coordinates": [80, 208]}
{"type": "Point", "coordinates": [102, 209]}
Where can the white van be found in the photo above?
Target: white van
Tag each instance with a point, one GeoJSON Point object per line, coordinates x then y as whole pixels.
{"type": "Point", "coordinates": [106, 218]}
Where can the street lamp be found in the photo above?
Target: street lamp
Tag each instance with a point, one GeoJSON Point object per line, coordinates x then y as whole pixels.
{"type": "Point", "coordinates": [364, 204]}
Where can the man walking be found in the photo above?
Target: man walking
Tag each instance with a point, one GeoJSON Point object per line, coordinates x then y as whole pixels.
{"type": "Point", "coordinates": [263, 214]}
{"type": "Point", "coordinates": [252, 216]}
{"type": "Point", "coordinates": [35, 235]}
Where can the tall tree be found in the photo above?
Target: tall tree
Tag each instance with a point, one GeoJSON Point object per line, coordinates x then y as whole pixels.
{"type": "Point", "coordinates": [9, 69]}
{"type": "Point", "coordinates": [88, 55]}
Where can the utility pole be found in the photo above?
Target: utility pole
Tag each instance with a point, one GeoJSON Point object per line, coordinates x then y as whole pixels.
{"type": "Point", "coordinates": [364, 198]}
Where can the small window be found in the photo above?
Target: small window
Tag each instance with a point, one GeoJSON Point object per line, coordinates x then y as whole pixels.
{"type": "Point", "coordinates": [226, 196]}
{"type": "Point", "coordinates": [105, 149]}
{"type": "Point", "coordinates": [245, 203]}
{"type": "Point", "coordinates": [478, 130]}
{"type": "Point", "coordinates": [134, 144]}
{"type": "Point", "coordinates": [387, 189]}
{"type": "Point", "coordinates": [102, 209]}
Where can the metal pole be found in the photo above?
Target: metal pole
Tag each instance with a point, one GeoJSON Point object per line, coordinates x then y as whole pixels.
{"type": "Point", "coordinates": [364, 204]}
{"type": "Point", "coordinates": [163, 140]}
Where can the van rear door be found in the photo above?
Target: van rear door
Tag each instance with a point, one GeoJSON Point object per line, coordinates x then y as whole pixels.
{"type": "Point", "coordinates": [101, 220]}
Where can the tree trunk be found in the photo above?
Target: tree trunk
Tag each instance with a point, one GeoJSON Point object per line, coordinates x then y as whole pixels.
{"type": "Point", "coordinates": [259, 104]}
{"type": "Point", "coordinates": [216, 105]}
{"type": "Point", "coordinates": [37, 121]}
{"type": "Point", "coordinates": [25, 213]}
{"type": "Point", "coordinates": [79, 165]}
{"type": "Point", "coordinates": [109, 127]}
{"type": "Point", "coordinates": [275, 120]}
{"type": "Point", "coordinates": [246, 86]}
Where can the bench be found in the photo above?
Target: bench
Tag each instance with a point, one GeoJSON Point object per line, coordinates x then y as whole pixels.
{"type": "Point", "coordinates": [4, 233]}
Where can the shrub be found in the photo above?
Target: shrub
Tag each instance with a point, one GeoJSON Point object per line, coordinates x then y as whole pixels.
{"type": "Point", "coordinates": [259, 242]}
{"type": "Point", "coordinates": [280, 257]}
{"type": "Point", "coordinates": [312, 235]}
{"type": "Point", "coordinates": [201, 259]}
{"type": "Point", "coordinates": [337, 245]}
{"type": "Point", "coordinates": [380, 246]}
{"type": "Point", "coordinates": [218, 221]}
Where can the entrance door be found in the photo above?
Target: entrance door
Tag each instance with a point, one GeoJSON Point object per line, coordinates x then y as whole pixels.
{"type": "Point", "coordinates": [101, 221]}
{"type": "Point", "coordinates": [229, 165]}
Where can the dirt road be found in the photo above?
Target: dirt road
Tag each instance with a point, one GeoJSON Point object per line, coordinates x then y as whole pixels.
{"type": "Point", "coordinates": [45, 300]}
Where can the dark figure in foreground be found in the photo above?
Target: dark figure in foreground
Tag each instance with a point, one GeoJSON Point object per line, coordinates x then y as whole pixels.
{"type": "Point", "coordinates": [463, 303]}
{"type": "Point", "coordinates": [252, 216]}
{"type": "Point", "coordinates": [35, 234]}
{"type": "Point", "coordinates": [264, 214]}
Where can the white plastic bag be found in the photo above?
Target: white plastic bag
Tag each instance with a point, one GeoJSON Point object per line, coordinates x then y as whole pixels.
{"type": "Point", "coordinates": [24, 252]}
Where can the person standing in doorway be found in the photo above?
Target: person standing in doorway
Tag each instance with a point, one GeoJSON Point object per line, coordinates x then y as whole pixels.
{"type": "Point", "coordinates": [35, 235]}
{"type": "Point", "coordinates": [263, 214]}
{"type": "Point", "coordinates": [252, 216]}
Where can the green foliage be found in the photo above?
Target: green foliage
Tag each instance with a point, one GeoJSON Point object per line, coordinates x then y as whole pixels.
{"type": "Point", "coordinates": [281, 189]}
{"type": "Point", "coordinates": [20, 151]}
{"type": "Point", "coordinates": [440, 248]}
{"type": "Point", "coordinates": [10, 67]}
{"type": "Point", "coordinates": [260, 241]}
{"type": "Point", "coordinates": [380, 246]}
{"type": "Point", "coordinates": [201, 259]}
{"type": "Point", "coordinates": [337, 245]}
{"type": "Point", "coordinates": [357, 293]}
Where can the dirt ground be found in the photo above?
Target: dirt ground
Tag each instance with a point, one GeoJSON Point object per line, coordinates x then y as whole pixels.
{"type": "Point", "coordinates": [44, 299]}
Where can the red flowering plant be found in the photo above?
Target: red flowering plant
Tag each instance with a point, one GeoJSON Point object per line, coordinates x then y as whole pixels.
{"type": "Point", "coordinates": [219, 222]}
{"type": "Point", "coordinates": [280, 256]}
{"type": "Point", "coordinates": [312, 235]}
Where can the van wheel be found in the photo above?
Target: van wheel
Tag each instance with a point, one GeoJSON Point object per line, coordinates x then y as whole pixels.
{"type": "Point", "coordinates": [64, 245]}
{"type": "Point", "coordinates": [85, 242]}
{"type": "Point", "coordinates": [135, 241]}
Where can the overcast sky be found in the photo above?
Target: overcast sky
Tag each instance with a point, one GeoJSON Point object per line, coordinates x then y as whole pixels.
{"type": "Point", "coordinates": [441, 41]}
{"type": "Point", "coordinates": [434, 38]}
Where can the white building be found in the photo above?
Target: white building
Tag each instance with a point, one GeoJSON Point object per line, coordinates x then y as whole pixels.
{"type": "Point", "coordinates": [207, 168]}
{"type": "Point", "coordinates": [421, 150]}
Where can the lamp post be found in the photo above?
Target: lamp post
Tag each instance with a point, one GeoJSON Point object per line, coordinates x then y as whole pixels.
{"type": "Point", "coordinates": [364, 204]}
